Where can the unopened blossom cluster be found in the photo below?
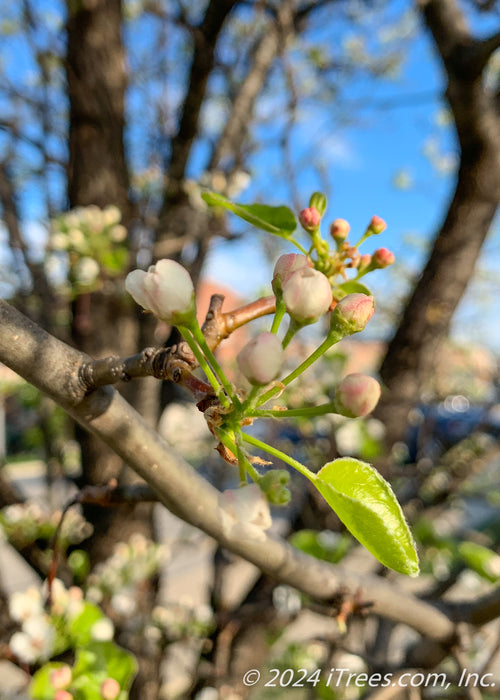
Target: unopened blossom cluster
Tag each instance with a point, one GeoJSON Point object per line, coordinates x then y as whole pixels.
{"type": "Point", "coordinates": [175, 621]}
{"type": "Point", "coordinates": [309, 287]}
{"type": "Point", "coordinates": [92, 241]}
{"type": "Point", "coordinates": [24, 523]}
{"type": "Point", "coordinates": [36, 641]}
{"type": "Point", "coordinates": [117, 579]}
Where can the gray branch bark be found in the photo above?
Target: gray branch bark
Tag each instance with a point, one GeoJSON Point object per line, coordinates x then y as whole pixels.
{"type": "Point", "coordinates": [54, 367]}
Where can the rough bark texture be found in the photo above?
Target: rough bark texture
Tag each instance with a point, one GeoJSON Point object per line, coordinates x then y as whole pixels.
{"type": "Point", "coordinates": [426, 319]}
{"type": "Point", "coordinates": [95, 69]}
{"type": "Point", "coordinates": [103, 322]}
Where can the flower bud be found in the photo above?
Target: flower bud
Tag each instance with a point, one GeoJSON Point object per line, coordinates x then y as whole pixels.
{"type": "Point", "coordinates": [339, 230]}
{"type": "Point", "coordinates": [377, 224]}
{"type": "Point", "coordinates": [382, 258]}
{"type": "Point", "coordinates": [357, 395]}
{"type": "Point", "coordinates": [310, 218]}
{"type": "Point", "coordinates": [273, 484]}
{"type": "Point", "coordinates": [364, 262]}
{"type": "Point", "coordinates": [285, 266]}
{"type": "Point", "coordinates": [60, 677]}
{"type": "Point", "coordinates": [166, 289]}
{"type": "Point", "coordinates": [63, 695]}
{"type": "Point", "coordinates": [307, 295]}
{"type": "Point", "coordinates": [318, 201]}
{"type": "Point", "coordinates": [261, 359]}
{"type": "Point", "coordinates": [351, 314]}
{"type": "Point", "coordinates": [110, 689]}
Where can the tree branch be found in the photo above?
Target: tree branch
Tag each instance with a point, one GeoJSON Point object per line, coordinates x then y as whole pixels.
{"type": "Point", "coordinates": [53, 367]}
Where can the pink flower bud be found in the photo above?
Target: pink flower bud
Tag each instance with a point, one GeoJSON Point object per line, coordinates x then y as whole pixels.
{"type": "Point", "coordinates": [261, 359]}
{"type": "Point", "coordinates": [382, 258]}
{"type": "Point", "coordinates": [310, 218]}
{"type": "Point", "coordinates": [377, 224]}
{"type": "Point", "coordinates": [357, 395]}
{"type": "Point", "coordinates": [61, 677]}
{"type": "Point", "coordinates": [339, 229]}
{"type": "Point", "coordinates": [166, 289]}
{"type": "Point", "coordinates": [63, 695]}
{"type": "Point", "coordinates": [307, 295]}
{"type": "Point", "coordinates": [110, 689]}
{"type": "Point", "coordinates": [352, 313]}
{"type": "Point", "coordinates": [285, 266]}
{"type": "Point", "coordinates": [364, 262]}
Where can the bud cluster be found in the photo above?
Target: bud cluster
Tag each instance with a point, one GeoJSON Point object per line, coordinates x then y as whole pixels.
{"type": "Point", "coordinates": [307, 286]}
{"type": "Point", "coordinates": [93, 243]}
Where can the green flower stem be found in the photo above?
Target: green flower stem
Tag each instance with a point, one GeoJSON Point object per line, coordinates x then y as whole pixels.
{"type": "Point", "coordinates": [332, 338]}
{"type": "Point", "coordinates": [278, 315]}
{"type": "Point", "coordinates": [242, 465]}
{"type": "Point", "coordinates": [186, 334]}
{"type": "Point", "coordinates": [200, 339]}
{"type": "Point", "coordinates": [364, 237]}
{"type": "Point", "coordinates": [306, 411]}
{"type": "Point", "coordinates": [292, 330]}
{"type": "Point", "coordinates": [250, 399]}
{"type": "Point", "coordinates": [280, 455]}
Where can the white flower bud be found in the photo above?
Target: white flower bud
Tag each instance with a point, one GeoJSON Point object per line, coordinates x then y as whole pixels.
{"type": "Point", "coordinates": [166, 290]}
{"type": "Point", "coordinates": [261, 359]}
{"type": "Point", "coordinates": [245, 513]}
{"type": "Point", "coordinates": [307, 295]}
{"type": "Point", "coordinates": [285, 266]}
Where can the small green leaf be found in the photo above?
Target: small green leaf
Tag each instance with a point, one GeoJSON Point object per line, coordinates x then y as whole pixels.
{"type": "Point", "coordinates": [480, 559]}
{"type": "Point", "coordinates": [367, 506]}
{"type": "Point", "coordinates": [278, 220]}
{"type": "Point", "coordinates": [351, 287]}
{"type": "Point", "coordinates": [80, 628]}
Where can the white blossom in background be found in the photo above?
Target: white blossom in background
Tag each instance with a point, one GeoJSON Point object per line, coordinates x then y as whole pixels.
{"type": "Point", "coordinates": [24, 605]}
{"type": "Point", "coordinates": [102, 630]}
{"type": "Point", "coordinates": [35, 642]}
{"type": "Point", "coordinates": [245, 513]}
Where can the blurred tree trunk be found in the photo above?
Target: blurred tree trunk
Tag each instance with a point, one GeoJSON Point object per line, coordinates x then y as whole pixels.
{"type": "Point", "coordinates": [426, 319]}
{"type": "Point", "coordinates": [103, 322]}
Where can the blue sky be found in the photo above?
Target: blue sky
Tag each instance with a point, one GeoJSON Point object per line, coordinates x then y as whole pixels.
{"type": "Point", "coordinates": [397, 123]}
{"type": "Point", "coordinates": [373, 131]}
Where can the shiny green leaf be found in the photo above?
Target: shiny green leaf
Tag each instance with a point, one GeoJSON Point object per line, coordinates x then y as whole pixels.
{"type": "Point", "coordinates": [278, 220]}
{"type": "Point", "coordinates": [367, 506]}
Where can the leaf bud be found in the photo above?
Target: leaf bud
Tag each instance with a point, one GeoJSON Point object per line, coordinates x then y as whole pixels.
{"type": "Point", "coordinates": [357, 395]}
{"type": "Point", "coordinates": [318, 201]}
{"type": "Point", "coordinates": [261, 359]}
{"type": "Point", "coordinates": [166, 290]}
{"type": "Point", "coordinates": [307, 295]}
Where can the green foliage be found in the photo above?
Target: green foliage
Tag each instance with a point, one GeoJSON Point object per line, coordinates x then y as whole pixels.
{"type": "Point", "coordinates": [327, 546]}
{"type": "Point", "coordinates": [279, 221]}
{"type": "Point", "coordinates": [367, 506]}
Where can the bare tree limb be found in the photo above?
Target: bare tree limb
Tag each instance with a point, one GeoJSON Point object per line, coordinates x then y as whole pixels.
{"type": "Point", "coordinates": [53, 367]}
